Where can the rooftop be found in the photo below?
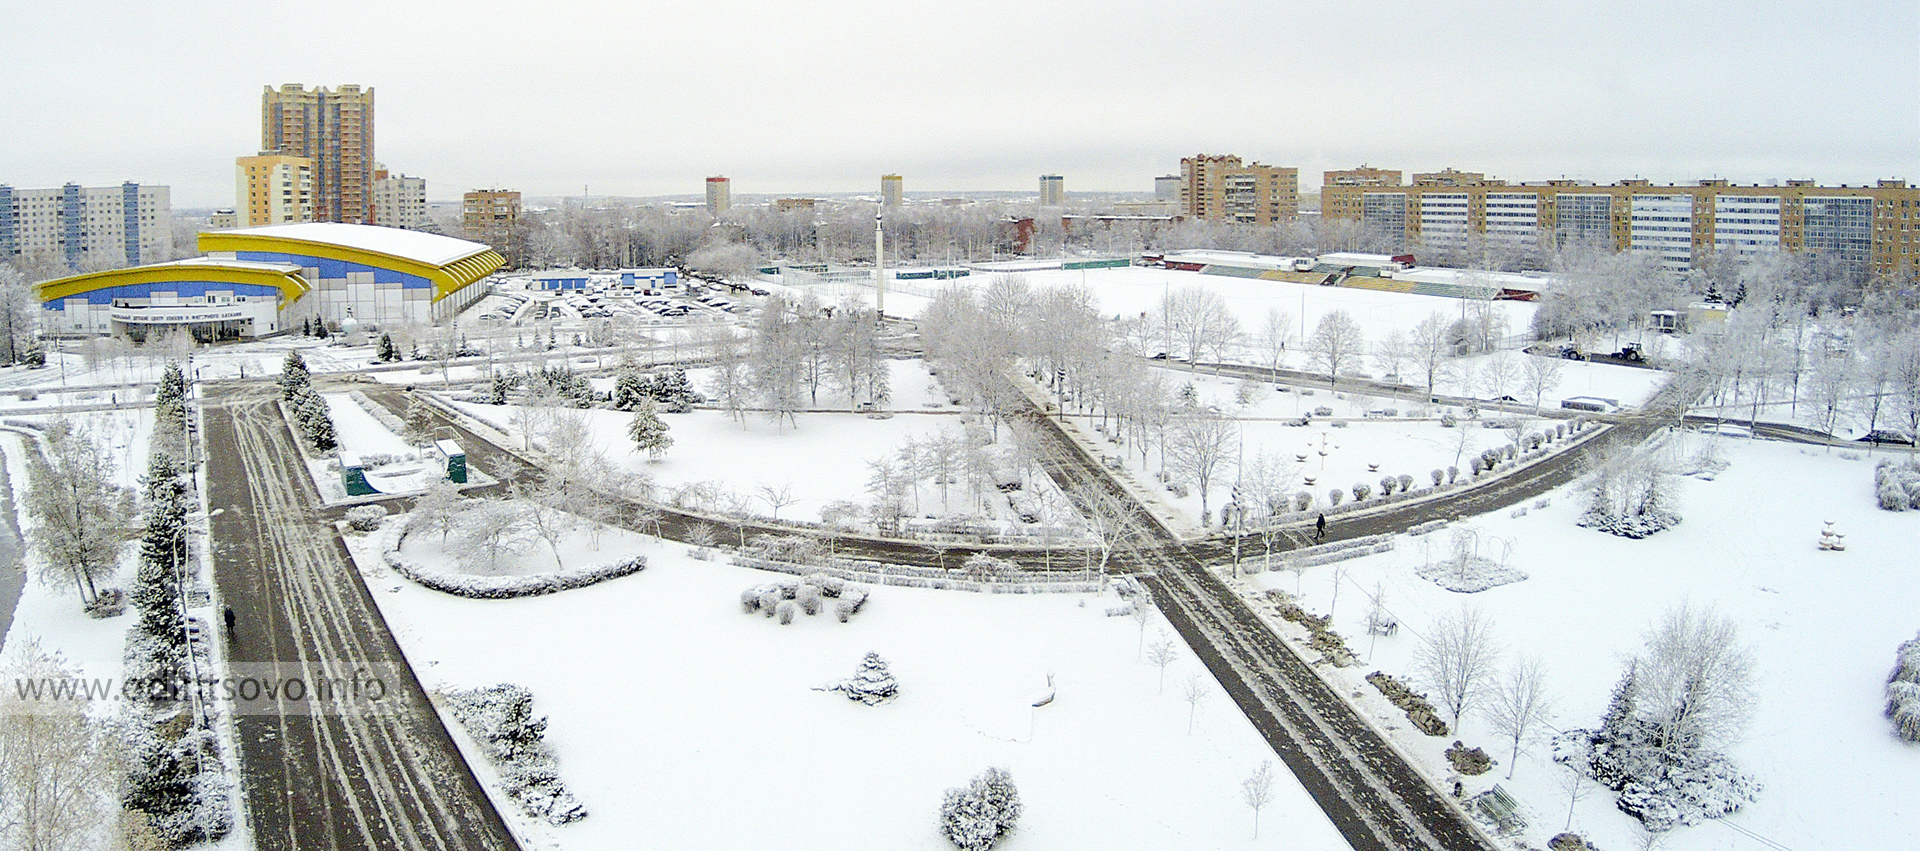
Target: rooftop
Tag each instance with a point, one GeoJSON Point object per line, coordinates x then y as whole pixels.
{"type": "Point", "coordinates": [414, 245]}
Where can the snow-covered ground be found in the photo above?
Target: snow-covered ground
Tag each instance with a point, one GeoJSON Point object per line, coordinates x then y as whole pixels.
{"type": "Point", "coordinates": [682, 722]}
{"type": "Point", "coordinates": [1823, 627]}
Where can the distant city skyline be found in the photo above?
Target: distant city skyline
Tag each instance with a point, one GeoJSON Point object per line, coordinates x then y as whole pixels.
{"type": "Point", "coordinates": [825, 98]}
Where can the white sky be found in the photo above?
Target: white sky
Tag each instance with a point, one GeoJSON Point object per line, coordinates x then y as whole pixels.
{"type": "Point", "coordinates": [644, 98]}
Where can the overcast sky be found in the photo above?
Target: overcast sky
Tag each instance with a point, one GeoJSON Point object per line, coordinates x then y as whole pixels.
{"type": "Point", "coordinates": [648, 97]}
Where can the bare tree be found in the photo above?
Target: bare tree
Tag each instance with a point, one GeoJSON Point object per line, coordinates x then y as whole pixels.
{"type": "Point", "coordinates": [1160, 655]}
{"type": "Point", "coordinates": [1336, 344]}
{"type": "Point", "coordinates": [1274, 336]}
{"type": "Point", "coordinates": [490, 528]}
{"type": "Point", "coordinates": [1542, 375]}
{"type": "Point", "coordinates": [1200, 449]}
{"type": "Point", "coordinates": [777, 498]}
{"type": "Point", "coordinates": [1194, 692]}
{"type": "Point", "coordinates": [1429, 350]}
{"type": "Point", "coordinates": [1520, 705]}
{"type": "Point", "coordinates": [1457, 659]}
{"type": "Point", "coordinates": [1497, 375]}
{"type": "Point", "coordinates": [436, 510]}
{"type": "Point", "coordinates": [1392, 353]}
{"type": "Point", "coordinates": [1257, 792]}
{"type": "Point", "coordinates": [1199, 320]}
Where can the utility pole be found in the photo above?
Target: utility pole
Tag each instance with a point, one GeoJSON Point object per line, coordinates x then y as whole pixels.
{"type": "Point", "coordinates": [879, 263]}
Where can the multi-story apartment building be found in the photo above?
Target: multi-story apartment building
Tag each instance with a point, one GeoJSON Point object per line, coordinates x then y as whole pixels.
{"type": "Point", "coordinates": [1053, 190]}
{"type": "Point", "coordinates": [334, 129]}
{"type": "Point", "coordinates": [90, 226]}
{"type": "Point", "coordinates": [489, 215]}
{"type": "Point", "coordinates": [1363, 176]}
{"type": "Point", "coordinates": [893, 190]}
{"type": "Point", "coordinates": [399, 201]}
{"type": "Point", "coordinates": [1220, 187]}
{"type": "Point", "coordinates": [1874, 230]}
{"type": "Point", "coordinates": [719, 195]}
{"type": "Point", "coordinates": [272, 189]}
{"type": "Point", "coordinates": [1166, 187]}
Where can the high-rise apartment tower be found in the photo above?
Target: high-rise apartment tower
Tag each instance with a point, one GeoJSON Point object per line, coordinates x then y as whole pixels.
{"type": "Point", "coordinates": [334, 129]}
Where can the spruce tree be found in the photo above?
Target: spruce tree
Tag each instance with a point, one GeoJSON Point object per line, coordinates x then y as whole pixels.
{"type": "Point", "coordinates": [628, 390]}
{"type": "Point", "coordinates": [294, 376]}
{"type": "Point", "coordinates": [873, 684]}
{"type": "Point", "coordinates": [388, 351]}
{"type": "Point", "coordinates": [648, 432]}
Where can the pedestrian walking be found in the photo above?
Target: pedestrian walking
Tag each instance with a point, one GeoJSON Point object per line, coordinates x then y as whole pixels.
{"type": "Point", "coordinates": [228, 615]}
{"type": "Point", "coordinates": [1320, 528]}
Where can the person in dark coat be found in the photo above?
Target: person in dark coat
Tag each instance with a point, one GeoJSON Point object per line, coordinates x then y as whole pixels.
{"type": "Point", "coordinates": [1320, 528]}
{"type": "Point", "coordinates": [228, 614]}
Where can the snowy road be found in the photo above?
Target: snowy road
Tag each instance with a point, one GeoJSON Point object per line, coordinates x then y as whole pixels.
{"type": "Point", "coordinates": [353, 771]}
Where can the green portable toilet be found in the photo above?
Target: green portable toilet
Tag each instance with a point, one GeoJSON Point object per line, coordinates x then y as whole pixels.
{"type": "Point", "coordinates": [455, 459]}
{"type": "Point", "coordinates": [353, 474]}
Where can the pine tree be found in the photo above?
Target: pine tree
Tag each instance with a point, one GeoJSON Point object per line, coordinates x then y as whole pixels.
{"type": "Point", "coordinates": [873, 684]}
{"type": "Point", "coordinates": [156, 584]}
{"type": "Point", "coordinates": [419, 422]}
{"type": "Point", "coordinates": [647, 430]}
{"type": "Point", "coordinates": [675, 392]}
{"type": "Point", "coordinates": [500, 388]}
{"type": "Point", "coordinates": [388, 351]}
{"type": "Point", "coordinates": [320, 329]}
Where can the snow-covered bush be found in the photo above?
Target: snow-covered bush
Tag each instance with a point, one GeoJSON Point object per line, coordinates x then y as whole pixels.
{"type": "Point", "coordinates": [1360, 491]}
{"type": "Point", "coordinates": [505, 587]}
{"type": "Point", "coordinates": [1630, 495]}
{"type": "Point", "coordinates": [785, 598]}
{"type": "Point", "coordinates": [1896, 486]}
{"type": "Point", "coordinates": [1405, 482]}
{"type": "Point", "coordinates": [501, 717]}
{"type": "Point", "coordinates": [1335, 496]}
{"type": "Point", "coordinates": [976, 816]}
{"type": "Point", "coordinates": [872, 685]}
{"type": "Point", "coordinates": [1439, 477]}
{"type": "Point", "coordinates": [1903, 691]}
{"type": "Point", "coordinates": [1302, 501]}
{"type": "Point", "coordinates": [1419, 712]}
{"type": "Point", "coordinates": [1453, 473]}
{"type": "Point", "coordinates": [983, 566]}
{"type": "Point", "coordinates": [365, 518]}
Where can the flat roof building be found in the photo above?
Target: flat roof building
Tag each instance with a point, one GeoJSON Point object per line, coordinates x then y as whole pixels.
{"type": "Point", "coordinates": [719, 195]}
{"type": "Point", "coordinates": [333, 129]}
{"type": "Point", "coordinates": [1873, 230]}
{"type": "Point", "coordinates": [1220, 188]}
{"type": "Point", "coordinates": [272, 189]}
{"type": "Point", "coordinates": [1053, 190]}
{"type": "Point", "coordinates": [892, 190]}
{"type": "Point", "coordinates": [263, 280]}
{"type": "Point", "coordinates": [87, 226]}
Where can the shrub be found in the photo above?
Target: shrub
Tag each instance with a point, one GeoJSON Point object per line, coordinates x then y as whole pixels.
{"type": "Point", "coordinates": [1302, 501]}
{"type": "Point", "coordinates": [1438, 477]}
{"type": "Point", "coordinates": [1903, 691]}
{"type": "Point", "coordinates": [785, 611]}
{"type": "Point", "coordinates": [1334, 496]}
{"type": "Point", "coordinates": [974, 817]}
{"type": "Point", "coordinates": [365, 518]}
{"type": "Point", "coordinates": [1453, 473]}
{"type": "Point", "coordinates": [1418, 710]}
{"type": "Point", "coordinates": [1469, 761]}
{"type": "Point", "coordinates": [1406, 482]}
{"type": "Point", "coordinates": [1360, 491]}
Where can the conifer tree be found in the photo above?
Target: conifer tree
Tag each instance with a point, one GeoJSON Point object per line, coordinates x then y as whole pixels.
{"type": "Point", "coordinates": [648, 432]}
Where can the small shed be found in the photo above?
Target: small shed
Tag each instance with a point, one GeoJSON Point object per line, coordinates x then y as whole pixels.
{"type": "Point", "coordinates": [453, 459]}
{"type": "Point", "coordinates": [353, 475]}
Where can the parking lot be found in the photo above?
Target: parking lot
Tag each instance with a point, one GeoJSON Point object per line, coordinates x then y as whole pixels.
{"type": "Point", "coordinates": [514, 300]}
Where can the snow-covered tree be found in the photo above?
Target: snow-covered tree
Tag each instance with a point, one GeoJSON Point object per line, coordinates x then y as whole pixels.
{"type": "Point", "coordinates": [294, 376]}
{"type": "Point", "coordinates": [1199, 320]}
{"type": "Point", "coordinates": [1630, 494]}
{"type": "Point", "coordinates": [1194, 691]}
{"type": "Point", "coordinates": [629, 387]}
{"type": "Point", "coordinates": [974, 817]}
{"type": "Point", "coordinates": [872, 684]}
{"type": "Point", "coordinates": [1200, 449]}
{"type": "Point", "coordinates": [79, 513]}
{"type": "Point", "coordinates": [57, 766]}
{"type": "Point", "coordinates": [648, 431]}
{"type": "Point", "coordinates": [418, 422]}
{"type": "Point", "coordinates": [1457, 659]}
{"type": "Point", "coordinates": [1428, 349]}
{"type": "Point", "coordinates": [386, 351]}
{"type": "Point", "coordinates": [1160, 655]}
{"type": "Point", "coordinates": [437, 510]}
{"type": "Point", "coordinates": [1682, 699]}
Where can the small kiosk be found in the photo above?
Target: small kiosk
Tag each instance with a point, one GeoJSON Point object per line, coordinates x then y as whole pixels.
{"type": "Point", "coordinates": [353, 474]}
{"type": "Point", "coordinates": [453, 459]}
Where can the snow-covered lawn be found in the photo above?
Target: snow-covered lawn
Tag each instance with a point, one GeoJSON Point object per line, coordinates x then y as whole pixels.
{"type": "Point", "coordinates": [1397, 445]}
{"type": "Point", "coordinates": [681, 722]}
{"type": "Point", "coordinates": [1823, 627]}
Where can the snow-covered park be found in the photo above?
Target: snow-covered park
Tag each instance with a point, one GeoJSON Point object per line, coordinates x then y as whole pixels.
{"type": "Point", "coordinates": [678, 720]}
{"type": "Point", "coordinates": [1822, 627]}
